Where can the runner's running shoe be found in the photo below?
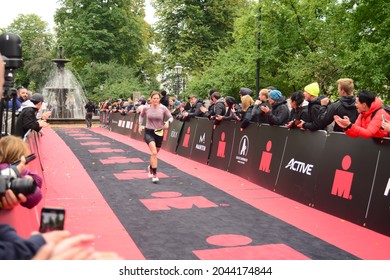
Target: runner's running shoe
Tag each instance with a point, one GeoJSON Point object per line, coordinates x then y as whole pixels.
{"type": "Point", "coordinates": [150, 172]}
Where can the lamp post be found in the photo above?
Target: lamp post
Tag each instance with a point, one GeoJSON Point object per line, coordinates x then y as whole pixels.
{"type": "Point", "coordinates": [178, 70]}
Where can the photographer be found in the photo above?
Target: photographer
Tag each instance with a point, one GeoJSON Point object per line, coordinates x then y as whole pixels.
{"type": "Point", "coordinates": [22, 96]}
{"type": "Point", "coordinates": [13, 148]}
{"type": "Point", "coordinates": [27, 119]}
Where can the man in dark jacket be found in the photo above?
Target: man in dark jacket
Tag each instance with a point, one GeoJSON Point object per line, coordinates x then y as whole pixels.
{"type": "Point", "coordinates": [345, 106]}
{"type": "Point", "coordinates": [217, 107]}
{"type": "Point", "coordinates": [194, 109]}
{"type": "Point", "coordinates": [27, 119]}
{"type": "Point", "coordinates": [164, 100]}
{"type": "Point", "coordinates": [279, 113]}
{"type": "Point", "coordinates": [90, 109]}
{"type": "Point", "coordinates": [311, 93]}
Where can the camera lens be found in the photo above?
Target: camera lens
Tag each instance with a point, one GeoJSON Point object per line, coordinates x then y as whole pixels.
{"type": "Point", "coordinates": [24, 186]}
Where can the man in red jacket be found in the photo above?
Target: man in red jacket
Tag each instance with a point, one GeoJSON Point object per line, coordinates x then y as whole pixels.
{"type": "Point", "coordinates": [369, 121]}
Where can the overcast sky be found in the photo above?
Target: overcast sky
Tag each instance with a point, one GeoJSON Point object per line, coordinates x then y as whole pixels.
{"type": "Point", "coordinates": [10, 9]}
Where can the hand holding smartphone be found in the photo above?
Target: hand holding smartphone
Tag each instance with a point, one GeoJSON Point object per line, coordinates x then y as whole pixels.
{"type": "Point", "coordinates": [52, 219]}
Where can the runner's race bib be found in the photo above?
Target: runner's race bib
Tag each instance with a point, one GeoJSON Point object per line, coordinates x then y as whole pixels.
{"type": "Point", "coordinates": [159, 132]}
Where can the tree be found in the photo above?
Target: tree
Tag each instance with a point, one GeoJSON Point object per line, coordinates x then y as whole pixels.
{"type": "Point", "coordinates": [101, 30]}
{"type": "Point", "coordinates": [368, 50]}
{"type": "Point", "coordinates": [192, 31]}
{"type": "Point", "coordinates": [37, 42]}
{"type": "Point", "coordinates": [104, 80]}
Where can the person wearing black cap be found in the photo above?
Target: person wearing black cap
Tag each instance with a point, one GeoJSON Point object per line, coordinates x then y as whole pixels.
{"type": "Point", "coordinates": [245, 91]}
{"type": "Point", "coordinates": [194, 109]}
{"type": "Point", "coordinates": [27, 119]}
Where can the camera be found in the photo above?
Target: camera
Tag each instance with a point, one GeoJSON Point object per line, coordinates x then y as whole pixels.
{"type": "Point", "coordinates": [11, 50]}
{"type": "Point", "coordinates": [24, 186]}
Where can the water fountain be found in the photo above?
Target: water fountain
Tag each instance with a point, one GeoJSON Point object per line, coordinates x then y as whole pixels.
{"type": "Point", "coordinates": [63, 93]}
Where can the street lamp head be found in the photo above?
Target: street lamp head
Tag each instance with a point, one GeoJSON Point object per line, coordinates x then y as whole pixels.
{"type": "Point", "coordinates": [178, 68]}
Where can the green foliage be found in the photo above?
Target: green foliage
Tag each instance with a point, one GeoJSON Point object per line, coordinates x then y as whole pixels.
{"type": "Point", "coordinates": [36, 44]}
{"type": "Point", "coordinates": [101, 31]}
{"type": "Point", "coordinates": [304, 41]}
{"type": "Point", "coordinates": [192, 31]}
{"type": "Point", "coordinates": [104, 80]}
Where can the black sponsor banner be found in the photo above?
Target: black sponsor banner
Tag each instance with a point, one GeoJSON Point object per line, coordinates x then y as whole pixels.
{"type": "Point", "coordinates": [172, 136]}
{"type": "Point", "coordinates": [222, 144]}
{"type": "Point", "coordinates": [202, 141]}
{"type": "Point", "coordinates": [346, 180]}
{"type": "Point", "coordinates": [113, 121]}
{"type": "Point", "coordinates": [269, 145]}
{"type": "Point", "coordinates": [134, 134]}
{"type": "Point", "coordinates": [378, 214]}
{"type": "Point", "coordinates": [241, 161]}
{"type": "Point", "coordinates": [301, 164]}
{"type": "Point", "coordinates": [120, 124]}
{"type": "Point", "coordinates": [187, 138]}
{"type": "Point", "coordinates": [104, 117]}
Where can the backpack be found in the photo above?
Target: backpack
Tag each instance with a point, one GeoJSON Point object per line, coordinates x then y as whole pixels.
{"type": "Point", "coordinates": [386, 108]}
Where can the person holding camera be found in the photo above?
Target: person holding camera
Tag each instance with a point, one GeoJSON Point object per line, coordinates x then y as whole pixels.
{"type": "Point", "coordinates": [28, 117]}
{"type": "Point", "coordinates": [298, 111]}
{"type": "Point", "coordinates": [15, 176]}
{"type": "Point", "coordinates": [21, 96]}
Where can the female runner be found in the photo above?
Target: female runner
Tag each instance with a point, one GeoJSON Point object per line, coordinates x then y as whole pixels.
{"type": "Point", "coordinates": [155, 114]}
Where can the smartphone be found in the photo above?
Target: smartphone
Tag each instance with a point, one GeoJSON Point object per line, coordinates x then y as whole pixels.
{"type": "Point", "coordinates": [28, 159]}
{"type": "Point", "coordinates": [52, 219]}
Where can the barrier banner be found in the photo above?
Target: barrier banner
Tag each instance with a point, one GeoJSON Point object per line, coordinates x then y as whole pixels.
{"type": "Point", "coordinates": [130, 121]}
{"type": "Point", "coordinates": [104, 117]}
{"type": "Point", "coordinates": [241, 161]}
{"type": "Point", "coordinates": [267, 156]}
{"type": "Point", "coordinates": [222, 144]}
{"type": "Point", "coordinates": [134, 134]}
{"type": "Point", "coordinates": [202, 140]}
{"type": "Point", "coordinates": [171, 136]}
{"type": "Point", "coordinates": [378, 213]}
{"type": "Point", "coordinates": [118, 123]}
{"type": "Point", "coordinates": [301, 164]}
{"type": "Point", "coordinates": [187, 137]}
{"type": "Point", "coordinates": [346, 180]}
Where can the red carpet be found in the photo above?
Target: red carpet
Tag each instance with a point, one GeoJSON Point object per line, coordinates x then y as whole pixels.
{"type": "Point", "coordinates": [70, 186]}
